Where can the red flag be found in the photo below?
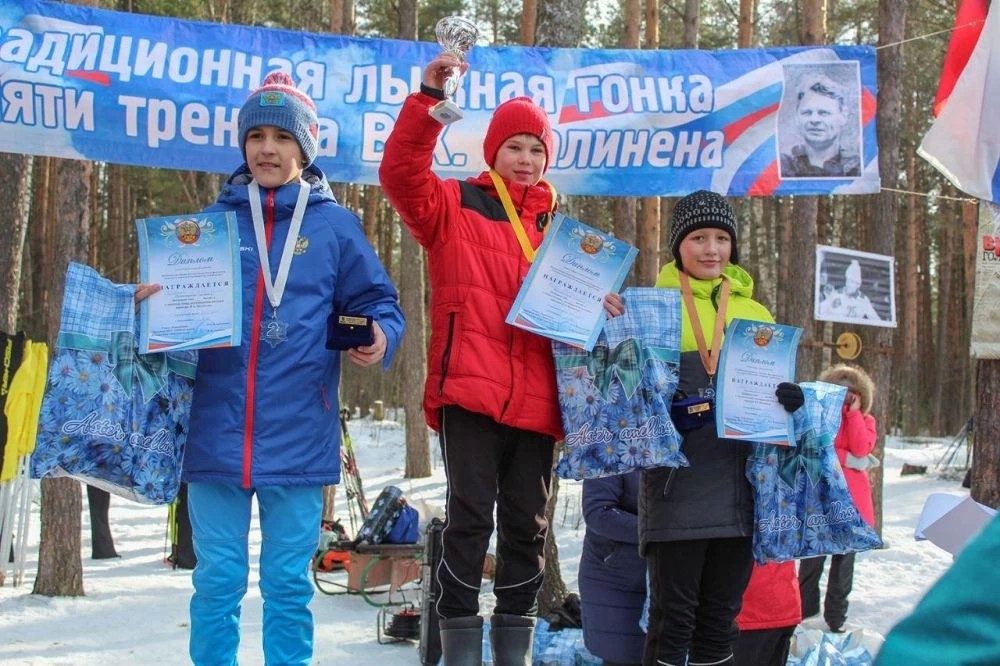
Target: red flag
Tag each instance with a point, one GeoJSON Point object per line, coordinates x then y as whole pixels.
{"type": "Point", "coordinates": [968, 24]}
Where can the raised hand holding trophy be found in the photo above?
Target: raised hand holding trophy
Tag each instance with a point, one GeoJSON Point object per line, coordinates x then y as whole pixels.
{"type": "Point", "coordinates": [456, 35]}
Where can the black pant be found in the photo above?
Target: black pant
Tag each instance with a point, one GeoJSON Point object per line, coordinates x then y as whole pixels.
{"type": "Point", "coordinates": [764, 647]}
{"type": "Point", "coordinates": [488, 464]}
{"type": "Point", "coordinates": [696, 591]}
{"type": "Point", "coordinates": [102, 546]}
{"type": "Point", "coordinates": [182, 552]}
{"type": "Point", "coordinates": [838, 587]}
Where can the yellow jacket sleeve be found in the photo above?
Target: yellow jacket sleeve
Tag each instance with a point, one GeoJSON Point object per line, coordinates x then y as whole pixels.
{"type": "Point", "coordinates": [24, 403]}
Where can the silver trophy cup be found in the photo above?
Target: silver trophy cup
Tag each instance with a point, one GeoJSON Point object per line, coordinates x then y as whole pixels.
{"type": "Point", "coordinates": [456, 35]}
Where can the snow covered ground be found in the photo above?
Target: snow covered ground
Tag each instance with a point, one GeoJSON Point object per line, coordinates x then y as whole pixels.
{"type": "Point", "coordinates": [135, 608]}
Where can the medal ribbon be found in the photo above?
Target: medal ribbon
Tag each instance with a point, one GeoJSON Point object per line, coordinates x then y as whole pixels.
{"type": "Point", "coordinates": [709, 357]}
{"type": "Point", "coordinates": [515, 219]}
{"type": "Point", "coordinates": [275, 290]}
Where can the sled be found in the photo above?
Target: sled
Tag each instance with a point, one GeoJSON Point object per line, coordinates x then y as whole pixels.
{"type": "Point", "coordinates": [382, 574]}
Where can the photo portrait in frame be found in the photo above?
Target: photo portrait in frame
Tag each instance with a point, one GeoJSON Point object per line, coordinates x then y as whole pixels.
{"type": "Point", "coordinates": [855, 287]}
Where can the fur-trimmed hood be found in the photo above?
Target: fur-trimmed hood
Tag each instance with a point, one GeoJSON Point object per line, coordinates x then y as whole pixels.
{"type": "Point", "coordinates": [854, 378]}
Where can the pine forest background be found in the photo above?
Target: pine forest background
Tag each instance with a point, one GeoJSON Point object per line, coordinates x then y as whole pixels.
{"type": "Point", "coordinates": [62, 210]}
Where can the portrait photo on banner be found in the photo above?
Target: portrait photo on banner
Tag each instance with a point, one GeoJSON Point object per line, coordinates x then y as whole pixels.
{"type": "Point", "coordinates": [855, 287]}
{"type": "Point", "coordinates": [819, 121]}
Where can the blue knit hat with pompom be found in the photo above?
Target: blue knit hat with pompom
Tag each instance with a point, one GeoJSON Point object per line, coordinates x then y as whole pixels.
{"type": "Point", "coordinates": [280, 104]}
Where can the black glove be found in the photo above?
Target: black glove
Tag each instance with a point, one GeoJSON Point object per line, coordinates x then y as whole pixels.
{"type": "Point", "coordinates": [790, 396]}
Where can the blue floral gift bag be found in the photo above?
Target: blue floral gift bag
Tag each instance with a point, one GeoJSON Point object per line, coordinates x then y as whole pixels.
{"type": "Point", "coordinates": [615, 400]}
{"type": "Point", "coordinates": [111, 417]}
{"type": "Point", "coordinates": [802, 507]}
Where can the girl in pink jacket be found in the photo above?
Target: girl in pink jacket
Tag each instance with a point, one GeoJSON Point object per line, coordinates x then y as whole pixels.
{"type": "Point", "coordinates": [856, 437]}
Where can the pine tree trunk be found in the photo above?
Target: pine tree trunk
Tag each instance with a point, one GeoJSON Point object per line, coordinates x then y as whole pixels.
{"type": "Point", "coordinates": [970, 232]}
{"type": "Point", "coordinates": [329, 503]}
{"type": "Point", "coordinates": [801, 271]}
{"type": "Point", "coordinates": [986, 434]}
{"type": "Point", "coordinates": [748, 12]}
{"type": "Point", "coordinates": [647, 264]}
{"type": "Point", "coordinates": [625, 227]}
{"type": "Point", "coordinates": [529, 21]}
{"type": "Point", "coordinates": [33, 294]}
{"type": "Point", "coordinates": [413, 357]}
{"type": "Point", "coordinates": [692, 18]}
{"type": "Point", "coordinates": [783, 233]}
{"type": "Point", "coordinates": [892, 23]}
{"type": "Point", "coordinates": [350, 388]}
{"type": "Point", "coordinates": [907, 377]}
{"type": "Point", "coordinates": [412, 295]}
{"type": "Point", "coordinates": [60, 571]}
{"type": "Point", "coordinates": [15, 200]}
{"type": "Point", "coordinates": [560, 24]}
{"type": "Point", "coordinates": [798, 309]}
{"type": "Point", "coordinates": [925, 333]}
{"type": "Point", "coordinates": [553, 591]}
{"type": "Point", "coordinates": [946, 312]}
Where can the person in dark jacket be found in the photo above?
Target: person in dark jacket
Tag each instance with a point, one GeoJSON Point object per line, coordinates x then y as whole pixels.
{"type": "Point", "coordinates": [612, 574]}
{"type": "Point", "coordinates": [490, 391]}
{"type": "Point", "coordinates": [696, 522]}
{"type": "Point", "coordinates": [265, 415]}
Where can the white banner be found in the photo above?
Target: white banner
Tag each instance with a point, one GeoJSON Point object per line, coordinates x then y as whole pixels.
{"type": "Point", "coordinates": [986, 307]}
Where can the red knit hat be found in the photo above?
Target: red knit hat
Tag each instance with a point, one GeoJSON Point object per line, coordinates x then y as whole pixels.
{"type": "Point", "coordinates": [518, 116]}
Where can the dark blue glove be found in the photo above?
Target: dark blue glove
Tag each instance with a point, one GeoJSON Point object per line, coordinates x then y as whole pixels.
{"type": "Point", "coordinates": [790, 396]}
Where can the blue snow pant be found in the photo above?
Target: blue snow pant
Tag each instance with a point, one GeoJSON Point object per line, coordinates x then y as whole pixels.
{"type": "Point", "coordinates": [289, 525]}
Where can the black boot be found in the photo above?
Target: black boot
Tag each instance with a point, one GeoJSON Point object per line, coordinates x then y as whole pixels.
{"type": "Point", "coordinates": [511, 637]}
{"type": "Point", "coordinates": [462, 641]}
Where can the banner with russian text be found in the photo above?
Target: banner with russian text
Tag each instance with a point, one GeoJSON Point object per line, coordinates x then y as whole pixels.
{"type": "Point", "coordinates": [84, 83]}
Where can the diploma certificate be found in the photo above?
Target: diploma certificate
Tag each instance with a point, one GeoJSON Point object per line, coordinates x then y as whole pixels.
{"type": "Point", "coordinates": [196, 260]}
{"type": "Point", "coordinates": [755, 358]}
{"type": "Point", "coordinates": [562, 295]}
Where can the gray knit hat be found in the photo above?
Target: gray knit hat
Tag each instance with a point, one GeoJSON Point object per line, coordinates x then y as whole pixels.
{"type": "Point", "coordinates": [700, 210]}
{"type": "Point", "coordinates": [280, 104]}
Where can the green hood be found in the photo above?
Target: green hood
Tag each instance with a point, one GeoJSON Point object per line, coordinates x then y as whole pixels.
{"type": "Point", "coordinates": [741, 282]}
{"type": "Point", "coordinates": [741, 304]}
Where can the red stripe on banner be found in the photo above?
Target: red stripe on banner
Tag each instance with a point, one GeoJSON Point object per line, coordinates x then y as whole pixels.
{"type": "Point", "coordinates": [868, 104]}
{"type": "Point", "coordinates": [969, 22]}
{"type": "Point", "coordinates": [93, 77]}
{"type": "Point", "coordinates": [571, 114]}
{"type": "Point", "coordinates": [767, 182]}
{"type": "Point", "coordinates": [735, 129]}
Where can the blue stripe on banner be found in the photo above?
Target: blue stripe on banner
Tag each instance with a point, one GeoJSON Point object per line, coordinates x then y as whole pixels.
{"type": "Point", "coordinates": [85, 83]}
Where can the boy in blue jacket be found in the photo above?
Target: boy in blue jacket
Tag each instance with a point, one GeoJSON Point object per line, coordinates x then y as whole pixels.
{"type": "Point", "coordinates": [264, 419]}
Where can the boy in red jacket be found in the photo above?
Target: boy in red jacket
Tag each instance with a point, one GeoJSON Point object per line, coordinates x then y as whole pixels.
{"type": "Point", "coordinates": [490, 390]}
